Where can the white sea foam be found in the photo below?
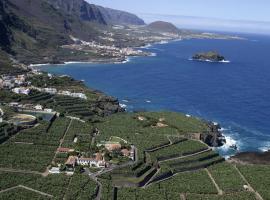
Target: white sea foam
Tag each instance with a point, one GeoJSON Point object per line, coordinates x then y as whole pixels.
{"type": "Point", "coordinates": [153, 54]}
{"type": "Point", "coordinates": [146, 46]}
{"type": "Point", "coordinates": [124, 100]}
{"type": "Point", "coordinates": [123, 105]}
{"type": "Point", "coordinates": [75, 62]}
{"type": "Point", "coordinates": [225, 61]}
{"type": "Point", "coordinates": [201, 60]}
{"type": "Point", "coordinates": [222, 129]}
{"type": "Point", "coordinates": [264, 149]}
{"type": "Point", "coordinates": [37, 65]}
{"type": "Point", "coordinates": [230, 142]}
{"type": "Point", "coordinates": [126, 60]}
{"type": "Point", "coordinates": [148, 101]}
{"type": "Point", "coordinates": [163, 42]}
{"type": "Point", "coordinates": [215, 123]}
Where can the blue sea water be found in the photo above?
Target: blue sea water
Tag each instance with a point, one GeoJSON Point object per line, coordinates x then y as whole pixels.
{"type": "Point", "coordinates": [235, 94]}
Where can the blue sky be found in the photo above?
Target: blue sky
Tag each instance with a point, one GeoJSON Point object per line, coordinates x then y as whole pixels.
{"type": "Point", "coordinates": [202, 12]}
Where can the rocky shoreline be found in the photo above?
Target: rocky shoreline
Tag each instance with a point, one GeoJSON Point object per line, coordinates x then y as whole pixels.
{"type": "Point", "coordinates": [214, 137]}
{"type": "Point", "coordinates": [262, 158]}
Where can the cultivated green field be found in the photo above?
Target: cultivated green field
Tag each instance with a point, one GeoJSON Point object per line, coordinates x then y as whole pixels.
{"type": "Point", "coordinates": [170, 166]}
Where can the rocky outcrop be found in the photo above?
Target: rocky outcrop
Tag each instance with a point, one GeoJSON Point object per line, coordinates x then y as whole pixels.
{"type": "Point", "coordinates": [209, 56]}
{"type": "Point", "coordinates": [107, 105]}
{"type": "Point", "coordinates": [213, 137]}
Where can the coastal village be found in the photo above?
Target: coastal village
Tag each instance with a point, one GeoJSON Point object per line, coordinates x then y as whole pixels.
{"type": "Point", "coordinates": [113, 155]}
{"type": "Point", "coordinates": [25, 116]}
{"type": "Point", "coordinates": [62, 140]}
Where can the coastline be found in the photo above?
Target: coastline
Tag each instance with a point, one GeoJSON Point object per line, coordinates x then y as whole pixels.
{"type": "Point", "coordinates": [227, 135]}
{"type": "Point", "coordinates": [218, 134]}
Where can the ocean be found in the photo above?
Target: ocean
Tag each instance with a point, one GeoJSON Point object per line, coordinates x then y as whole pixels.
{"type": "Point", "coordinates": [235, 94]}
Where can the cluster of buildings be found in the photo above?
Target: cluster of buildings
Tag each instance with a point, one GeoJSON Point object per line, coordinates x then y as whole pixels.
{"type": "Point", "coordinates": [72, 161]}
{"type": "Point", "coordinates": [10, 82]}
{"type": "Point", "coordinates": [19, 85]}
{"type": "Point", "coordinates": [116, 146]}
{"type": "Point", "coordinates": [103, 50]}
{"type": "Point", "coordinates": [31, 107]}
{"type": "Point", "coordinates": [54, 91]}
{"type": "Point", "coordinates": [97, 160]}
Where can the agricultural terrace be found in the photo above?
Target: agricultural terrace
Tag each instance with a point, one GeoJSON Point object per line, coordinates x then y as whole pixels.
{"type": "Point", "coordinates": [77, 187]}
{"type": "Point", "coordinates": [169, 165]}
{"type": "Point", "coordinates": [258, 177]}
{"type": "Point", "coordinates": [33, 149]}
{"type": "Point", "coordinates": [144, 134]}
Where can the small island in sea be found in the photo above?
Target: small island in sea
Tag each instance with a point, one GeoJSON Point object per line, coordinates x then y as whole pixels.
{"type": "Point", "coordinates": [211, 56]}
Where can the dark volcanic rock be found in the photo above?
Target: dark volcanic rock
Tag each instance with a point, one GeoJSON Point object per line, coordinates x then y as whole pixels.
{"type": "Point", "coordinates": [209, 56]}
{"type": "Point", "coordinates": [252, 158]}
{"type": "Point", "coordinates": [107, 105]}
{"type": "Point", "coordinates": [214, 137]}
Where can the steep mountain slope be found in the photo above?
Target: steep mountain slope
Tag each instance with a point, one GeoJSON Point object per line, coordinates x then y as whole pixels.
{"type": "Point", "coordinates": [5, 32]}
{"type": "Point", "coordinates": [162, 26]}
{"type": "Point", "coordinates": [80, 8]}
{"type": "Point", "coordinates": [94, 13]}
{"type": "Point", "coordinates": [112, 16]}
{"type": "Point", "coordinates": [36, 29]}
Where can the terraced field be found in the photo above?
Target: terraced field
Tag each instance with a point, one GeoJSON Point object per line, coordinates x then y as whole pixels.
{"type": "Point", "coordinates": [169, 166]}
{"type": "Point", "coordinates": [33, 149]}
{"type": "Point", "coordinates": [6, 131]}
{"type": "Point", "coordinates": [184, 148]}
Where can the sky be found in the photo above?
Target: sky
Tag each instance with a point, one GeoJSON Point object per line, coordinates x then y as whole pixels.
{"type": "Point", "coordinates": [227, 15]}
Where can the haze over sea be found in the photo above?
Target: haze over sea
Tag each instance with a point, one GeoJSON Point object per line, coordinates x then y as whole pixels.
{"type": "Point", "coordinates": [235, 94]}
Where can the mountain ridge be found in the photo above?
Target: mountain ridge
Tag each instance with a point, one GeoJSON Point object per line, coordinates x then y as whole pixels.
{"type": "Point", "coordinates": [36, 29]}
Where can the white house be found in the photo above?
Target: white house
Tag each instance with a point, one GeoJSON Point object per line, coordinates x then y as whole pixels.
{"type": "Point", "coordinates": [49, 110]}
{"type": "Point", "coordinates": [50, 90]}
{"type": "Point", "coordinates": [54, 170]}
{"type": "Point", "coordinates": [38, 107]}
{"type": "Point", "coordinates": [78, 95]}
{"type": "Point", "coordinates": [91, 162]}
{"type": "Point", "coordinates": [21, 90]}
{"type": "Point", "coordinates": [67, 93]}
